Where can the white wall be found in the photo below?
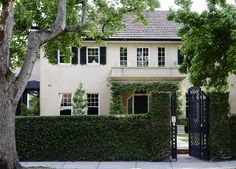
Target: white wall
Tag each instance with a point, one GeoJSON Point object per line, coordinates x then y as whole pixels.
{"type": "Point", "coordinates": [56, 79]}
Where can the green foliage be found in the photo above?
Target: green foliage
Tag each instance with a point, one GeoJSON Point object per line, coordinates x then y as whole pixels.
{"type": "Point", "coordinates": [117, 88]}
{"type": "Point", "coordinates": [219, 126]}
{"type": "Point", "coordinates": [100, 138]}
{"type": "Point", "coordinates": [41, 14]}
{"type": "Point", "coordinates": [209, 43]}
{"type": "Point", "coordinates": [35, 110]}
{"type": "Point", "coordinates": [160, 106]}
{"type": "Point", "coordinates": [233, 136]}
{"type": "Point", "coordinates": [79, 103]}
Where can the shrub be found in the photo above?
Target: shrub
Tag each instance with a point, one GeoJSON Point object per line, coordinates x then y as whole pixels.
{"type": "Point", "coordinates": [79, 103]}
{"type": "Point", "coordinates": [233, 136]}
{"type": "Point", "coordinates": [219, 126]}
{"type": "Point", "coordinates": [35, 110]}
{"type": "Point", "coordinates": [98, 138]}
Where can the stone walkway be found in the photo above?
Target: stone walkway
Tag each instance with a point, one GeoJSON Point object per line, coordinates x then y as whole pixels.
{"type": "Point", "coordinates": [184, 162]}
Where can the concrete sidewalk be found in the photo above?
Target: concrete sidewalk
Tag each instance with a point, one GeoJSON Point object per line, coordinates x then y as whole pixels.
{"type": "Point", "coordinates": [184, 162]}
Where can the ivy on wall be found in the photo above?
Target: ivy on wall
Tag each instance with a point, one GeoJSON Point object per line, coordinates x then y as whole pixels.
{"type": "Point", "coordinates": [118, 88]}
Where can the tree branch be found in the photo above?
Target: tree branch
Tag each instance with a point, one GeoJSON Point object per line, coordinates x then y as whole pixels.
{"type": "Point", "coordinates": [60, 21]}
{"type": "Point", "coordinates": [84, 17]}
{"type": "Point", "coordinates": [35, 40]}
{"type": "Point", "coordinates": [6, 25]}
{"type": "Point", "coordinates": [40, 37]}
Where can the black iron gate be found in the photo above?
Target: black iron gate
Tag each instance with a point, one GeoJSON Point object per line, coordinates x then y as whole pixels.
{"type": "Point", "coordinates": [198, 123]}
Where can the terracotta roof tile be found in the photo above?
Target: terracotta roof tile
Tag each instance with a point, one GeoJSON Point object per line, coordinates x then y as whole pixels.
{"type": "Point", "coordinates": [158, 28]}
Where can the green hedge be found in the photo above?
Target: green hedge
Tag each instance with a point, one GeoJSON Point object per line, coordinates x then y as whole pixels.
{"type": "Point", "coordinates": [160, 106]}
{"type": "Point", "coordinates": [233, 136]}
{"type": "Point", "coordinates": [219, 126]}
{"type": "Point", "coordinates": [97, 138]}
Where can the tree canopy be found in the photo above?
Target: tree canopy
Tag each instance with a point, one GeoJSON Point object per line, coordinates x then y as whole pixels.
{"type": "Point", "coordinates": [104, 18]}
{"type": "Point", "coordinates": [209, 42]}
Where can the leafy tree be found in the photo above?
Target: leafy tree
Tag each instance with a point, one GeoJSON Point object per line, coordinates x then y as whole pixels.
{"type": "Point", "coordinates": [26, 26]}
{"type": "Point", "coordinates": [79, 103]}
{"type": "Point", "coordinates": [209, 42]}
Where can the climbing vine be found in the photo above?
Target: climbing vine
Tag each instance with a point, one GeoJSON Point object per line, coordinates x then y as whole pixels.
{"type": "Point", "coordinates": [118, 88]}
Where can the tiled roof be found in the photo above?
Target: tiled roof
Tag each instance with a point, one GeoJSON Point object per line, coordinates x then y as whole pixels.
{"type": "Point", "coordinates": [158, 28]}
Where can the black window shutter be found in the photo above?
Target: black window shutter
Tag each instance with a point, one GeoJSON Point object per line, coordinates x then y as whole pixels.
{"type": "Point", "coordinates": [103, 57]}
{"type": "Point", "coordinates": [75, 55]}
{"type": "Point", "coordinates": [180, 58]}
{"type": "Point", "coordinates": [56, 57]}
{"type": "Point", "coordinates": [83, 55]}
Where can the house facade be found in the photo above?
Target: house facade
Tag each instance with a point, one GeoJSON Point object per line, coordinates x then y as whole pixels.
{"type": "Point", "coordinates": [136, 54]}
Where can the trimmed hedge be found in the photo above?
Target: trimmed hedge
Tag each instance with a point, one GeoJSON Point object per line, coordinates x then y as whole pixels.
{"type": "Point", "coordinates": [98, 138]}
{"type": "Point", "coordinates": [219, 126]}
{"type": "Point", "coordinates": [233, 136]}
{"type": "Point", "coordinates": [160, 106]}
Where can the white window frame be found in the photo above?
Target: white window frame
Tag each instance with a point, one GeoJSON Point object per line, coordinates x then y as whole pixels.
{"type": "Point", "coordinates": [161, 57]}
{"type": "Point", "coordinates": [88, 56]}
{"type": "Point", "coordinates": [142, 56]}
{"type": "Point", "coordinates": [65, 107]}
{"type": "Point", "coordinates": [29, 99]}
{"type": "Point", "coordinates": [59, 59]}
{"type": "Point", "coordinates": [124, 57]}
{"type": "Point", "coordinates": [93, 106]}
{"type": "Point", "coordinates": [132, 97]}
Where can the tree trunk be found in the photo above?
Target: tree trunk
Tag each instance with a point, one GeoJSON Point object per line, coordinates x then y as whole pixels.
{"type": "Point", "coordinates": [8, 154]}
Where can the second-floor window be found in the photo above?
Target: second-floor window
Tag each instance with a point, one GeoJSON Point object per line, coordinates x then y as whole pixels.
{"type": "Point", "coordinates": [93, 56]}
{"type": "Point", "coordinates": [161, 57]}
{"type": "Point", "coordinates": [180, 58]}
{"type": "Point", "coordinates": [142, 57]}
{"type": "Point", "coordinates": [61, 58]}
{"type": "Point", "coordinates": [123, 56]}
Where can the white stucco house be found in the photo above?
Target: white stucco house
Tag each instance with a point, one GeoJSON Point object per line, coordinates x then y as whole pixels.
{"type": "Point", "coordinates": [136, 54]}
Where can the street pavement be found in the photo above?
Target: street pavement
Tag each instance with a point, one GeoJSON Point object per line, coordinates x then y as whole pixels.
{"type": "Point", "coordinates": [183, 162]}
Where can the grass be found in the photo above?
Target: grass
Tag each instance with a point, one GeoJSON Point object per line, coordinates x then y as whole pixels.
{"type": "Point", "coordinates": [183, 137]}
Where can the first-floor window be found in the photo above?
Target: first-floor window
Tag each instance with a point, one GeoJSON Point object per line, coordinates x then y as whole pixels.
{"type": "Point", "coordinates": [93, 56]}
{"type": "Point", "coordinates": [142, 57]}
{"type": "Point", "coordinates": [65, 104]}
{"type": "Point", "coordinates": [92, 104]}
{"type": "Point", "coordinates": [161, 57]}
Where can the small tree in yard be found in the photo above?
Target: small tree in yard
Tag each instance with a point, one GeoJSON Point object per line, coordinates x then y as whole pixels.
{"type": "Point", "coordinates": [27, 25]}
{"type": "Point", "coordinates": [79, 103]}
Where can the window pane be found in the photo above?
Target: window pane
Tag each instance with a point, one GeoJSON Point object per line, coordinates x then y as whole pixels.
{"type": "Point", "coordinates": [161, 57]}
{"type": "Point", "coordinates": [123, 56]}
{"type": "Point", "coordinates": [93, 55]}
{"type": "Point", "coordinates": [92, 104]}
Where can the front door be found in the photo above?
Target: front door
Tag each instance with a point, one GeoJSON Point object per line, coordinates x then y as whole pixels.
{"type": "Point", "coordinates": [140, 104]}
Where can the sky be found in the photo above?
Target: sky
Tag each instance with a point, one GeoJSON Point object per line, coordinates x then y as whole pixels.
{"type": "Point", "coordinates": [198, 5]}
